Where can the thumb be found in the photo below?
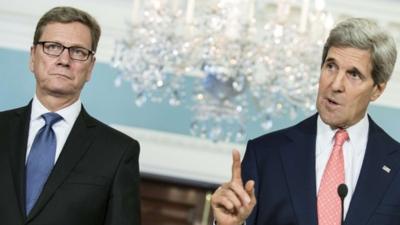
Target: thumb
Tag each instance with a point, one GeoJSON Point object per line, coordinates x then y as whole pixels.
{"type": "Point", "coordinates": [249, 187]}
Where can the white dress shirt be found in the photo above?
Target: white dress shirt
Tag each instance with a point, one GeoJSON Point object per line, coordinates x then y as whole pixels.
{"type": "Point", "coordinates": [353, 153]}
{"type": "Point", "coordinates": [61, 129]}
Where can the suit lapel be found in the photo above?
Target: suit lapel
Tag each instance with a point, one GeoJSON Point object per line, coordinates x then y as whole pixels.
{"type": "Point", "coordinates": [19, 130]}
{"type": "Point", "coordinates": [77, 144]}
{"type": "Point", "coordinates": [298, 159]}
{"type": "Point", "coordinates": [373, 180]}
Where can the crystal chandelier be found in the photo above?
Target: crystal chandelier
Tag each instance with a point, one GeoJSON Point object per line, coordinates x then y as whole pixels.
{"type": "Point", "coordinates": [245, 68]}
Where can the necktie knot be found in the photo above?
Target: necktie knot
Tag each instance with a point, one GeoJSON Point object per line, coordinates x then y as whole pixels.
{"type": "Point", "coordinates": [340, 137]}
{"type": "Point", "coordinates": [51, 118]}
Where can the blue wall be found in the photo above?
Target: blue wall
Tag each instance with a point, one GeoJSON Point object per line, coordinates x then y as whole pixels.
{"type": "Point", "coordinates": [116, 105]}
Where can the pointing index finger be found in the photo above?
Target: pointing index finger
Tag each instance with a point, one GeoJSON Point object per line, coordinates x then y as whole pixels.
{"type": "Point", "coordinates": [236, 167]}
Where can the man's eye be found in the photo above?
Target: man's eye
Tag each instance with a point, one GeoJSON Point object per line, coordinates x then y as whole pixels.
{"type": "Point", "coordinates": [53, 47]}
{"type": "Point", "coordinates": [330, 66]}
{"type": "Point", "coordinates": [79, 51]}
{"type": "Point", "coordinates": [354, 74]}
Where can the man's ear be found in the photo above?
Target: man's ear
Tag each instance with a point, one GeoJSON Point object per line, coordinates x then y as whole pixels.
{"type": "Point", "coordinates": [32, 58]}
{"type": "Point", "coordinates": [89, 75]}
{"type": "Point", "coordinates": [378, 90]}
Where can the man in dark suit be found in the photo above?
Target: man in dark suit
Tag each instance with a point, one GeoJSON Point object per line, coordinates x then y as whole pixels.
{"type": "Point", "coordinates": [292, 176]}
{"type": "Point", "coordinates": [59, 165]}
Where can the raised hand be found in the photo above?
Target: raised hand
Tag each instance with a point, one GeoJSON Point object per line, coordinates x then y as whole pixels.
{"type": "Point", "coordinates": [232, 202]}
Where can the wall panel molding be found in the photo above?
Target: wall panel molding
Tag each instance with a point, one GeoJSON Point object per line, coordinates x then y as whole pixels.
{"type": "Point", "coordinates": [181, 156]}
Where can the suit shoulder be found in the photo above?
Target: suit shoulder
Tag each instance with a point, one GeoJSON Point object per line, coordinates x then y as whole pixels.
{"type": "Point", "coordinates": [391, 140]}
{"type": "Point", "coordinates": [383, 136]}
{"type": "Point", "coordinates": [273, 137]}
{"type": "Point", "coordinates": [307, 126]}
{"type": "Point", "coordinates": [5, 115]}
{"type": "Point", "coordinates": [112, 133]}
{"type": "Point", "coordinates": [304, 129]}
{"type": "Point", "coordinates": [10, 111]}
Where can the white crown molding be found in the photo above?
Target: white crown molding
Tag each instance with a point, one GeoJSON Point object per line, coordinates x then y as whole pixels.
{"type": "Point", "coordinates": [180, 156]}
{"type": "Point", "coordinates": [383, 11]}
{"type": "Point", "coordinates": [18, 20]}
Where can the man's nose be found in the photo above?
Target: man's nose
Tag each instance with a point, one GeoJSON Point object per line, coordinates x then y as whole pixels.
{"type": "Point", "coordinates": [338, 81]}
{"type": "Point", "coordinates": [64, 56]}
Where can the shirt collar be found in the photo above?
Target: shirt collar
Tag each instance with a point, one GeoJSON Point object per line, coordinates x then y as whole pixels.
{"type": "Point", "coordinates": [69, 113]}
{"type": "Point", "coordinates": [357, 134]}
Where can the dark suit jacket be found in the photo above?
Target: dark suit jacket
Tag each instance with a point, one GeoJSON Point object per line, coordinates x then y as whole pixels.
{"type": "Point", "coordinates": [94, 181]}
{"type": "Point", "coordinates": [282, 164]}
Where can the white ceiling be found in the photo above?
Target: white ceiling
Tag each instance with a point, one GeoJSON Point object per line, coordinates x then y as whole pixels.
{"type": "Point", "coordinates": [18, 19]}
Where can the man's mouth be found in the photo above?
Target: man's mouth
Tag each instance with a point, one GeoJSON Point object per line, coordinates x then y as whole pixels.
{"type": "Point", "coordinates": [332, 101]}
{"type": "Point", "coordinates": [61, 75]}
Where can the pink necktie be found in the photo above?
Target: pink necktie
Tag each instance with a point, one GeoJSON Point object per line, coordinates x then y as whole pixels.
{"type": "Point", "coordinates": [328, 201]}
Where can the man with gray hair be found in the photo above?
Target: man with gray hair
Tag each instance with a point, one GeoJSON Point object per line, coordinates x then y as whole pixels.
{"type": "Point", "coordinates": [59, 165]}
{"type": "Point", "coordinates": [338, 165]}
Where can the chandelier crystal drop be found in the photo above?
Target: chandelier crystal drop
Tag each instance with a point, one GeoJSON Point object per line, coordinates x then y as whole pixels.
{"type": "Point", "coordinates": [246, 68]}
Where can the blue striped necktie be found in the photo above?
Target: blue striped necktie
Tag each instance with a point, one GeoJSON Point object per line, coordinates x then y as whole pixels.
{"type": "Point", "coordinates": [41, 159]}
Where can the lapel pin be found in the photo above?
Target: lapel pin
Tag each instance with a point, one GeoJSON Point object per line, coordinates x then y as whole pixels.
{"type": "Point", "coordinates": [386, 169]}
